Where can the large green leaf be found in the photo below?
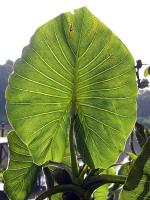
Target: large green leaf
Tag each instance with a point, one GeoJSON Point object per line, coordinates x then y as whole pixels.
{"type": "Point", "coordinates": [21, 174]}
{"type": "Point", "coordinates": [74, 62]}
{"type": "Point", "coordinates": [137, 186]}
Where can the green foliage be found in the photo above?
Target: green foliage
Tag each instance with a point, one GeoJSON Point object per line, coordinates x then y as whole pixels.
{"type": "Point", "coordinates": [141, 134]}
{"type": "Point", "coordinates": [56, 197]}
{"type": "Point", "coordinates": [74, 64]}
{"type": "Point", "coordinates": [138, 181]}
{"type": "Point", "coordinates": [72, 98]}
{"type": "Point", "coordinates": [123, 170]}
{"type": "Point", "coordinates": [101, 192]}
{"type": "Point", "coordinates": [22, 172]}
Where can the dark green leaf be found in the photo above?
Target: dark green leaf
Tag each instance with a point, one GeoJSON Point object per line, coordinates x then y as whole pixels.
{"type": "Point", "coordinates": [140, 134]}
{"type": "Point", "coordinates": [137, 186]}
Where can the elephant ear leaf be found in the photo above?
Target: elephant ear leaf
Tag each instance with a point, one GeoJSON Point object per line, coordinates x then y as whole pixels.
{"type": "Point", "coordinates": [22, 173]}
{"type": "Point", "coordinates": [137, 186]}
{"type": "Point", "coordinates": [73, 64]}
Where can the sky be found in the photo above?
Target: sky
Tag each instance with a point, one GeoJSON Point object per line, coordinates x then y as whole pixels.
{"type": "Point", "coordinates": [128, 19]}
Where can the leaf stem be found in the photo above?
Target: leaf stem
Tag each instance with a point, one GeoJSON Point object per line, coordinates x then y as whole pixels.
{"type": "Point", "coordinates": [62, 188]}
{"type": "Point", "coordinates": [48, 177]}
{"type": "Point", "coordinates": [74, 162]}
{"type": "Point", "coordinates": [99, 180]}
{"type": "Point", "coordinates": [93, 182]}
{"type": "Point", "coordinates": [82, 173]}
{"type": "Point", "coordinates": [58, 165]}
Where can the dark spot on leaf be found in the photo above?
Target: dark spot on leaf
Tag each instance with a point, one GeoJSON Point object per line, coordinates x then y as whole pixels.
{"type": "Point", "coordinates": [70, 28]}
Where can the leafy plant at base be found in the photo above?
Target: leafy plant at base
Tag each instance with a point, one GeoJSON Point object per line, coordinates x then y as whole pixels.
{"type": "Point", "coordinates": [71, 98]}
{"type": "Point", "coordinates": [138, 181]}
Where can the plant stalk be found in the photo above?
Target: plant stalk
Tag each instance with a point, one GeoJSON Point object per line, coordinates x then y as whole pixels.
{"type": "Point", "coordinates": [74, 162]}
{"type": "Point", "coordinates": [99, 180]}
{"type": "Point", "coordinates": [48, 177]}
{"type": "Point", "coordinates": [82, 173]}
{"type": "Point", "coordinates": [93, 182]}
{"type": "Point", "coordinates": [62, 188]}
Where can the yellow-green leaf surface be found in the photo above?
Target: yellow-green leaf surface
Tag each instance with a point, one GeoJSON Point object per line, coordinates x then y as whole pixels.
{"type": "Point", "coordinates": [137, 186]}
{"type": "Point", "coordinates": [101, 193]}
{"type": "Point", "coordinates": [21, 174]}
{"type": "Point", "coordinates": [57, 196]}
{"type": "Point", "coordinates": [1, 176]}
{"type": "Point", "coordinates": [73, 62]}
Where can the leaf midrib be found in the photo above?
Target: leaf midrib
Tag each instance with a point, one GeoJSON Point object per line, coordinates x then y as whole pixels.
{"type": "Point", "coordinates": [75, 80]}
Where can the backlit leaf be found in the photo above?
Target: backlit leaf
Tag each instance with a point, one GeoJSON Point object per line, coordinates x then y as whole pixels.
{"type": "Point", "coordinates": [73, 63]}
{"type": "Point", "coordinates": [21, 174]}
